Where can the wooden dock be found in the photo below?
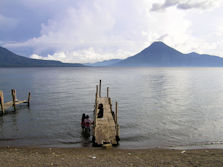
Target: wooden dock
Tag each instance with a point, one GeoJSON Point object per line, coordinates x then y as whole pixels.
{"type": "Point", "coordinates": [13, 103]}
{"type": "Point", "coordinates": [106, 129]}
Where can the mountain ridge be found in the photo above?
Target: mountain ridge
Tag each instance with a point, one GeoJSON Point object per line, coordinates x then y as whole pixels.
{"type": "Point", "coordinates": [158, 54]}
{"type": "Point", "coordinates": [10, 59]}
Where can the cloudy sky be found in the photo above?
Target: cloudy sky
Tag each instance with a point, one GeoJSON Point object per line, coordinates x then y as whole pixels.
{"type": "Point", "coordinates": [94, 30]}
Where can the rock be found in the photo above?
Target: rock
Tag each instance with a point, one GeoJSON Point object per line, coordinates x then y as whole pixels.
{"type": "Point", "coordinates": [182, 152]}
{"type": "Point", "coordinates": [93, 157]}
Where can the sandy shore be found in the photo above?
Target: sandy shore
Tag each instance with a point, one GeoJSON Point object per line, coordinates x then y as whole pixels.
{"type": "Point", "coordinates": [27, 156]}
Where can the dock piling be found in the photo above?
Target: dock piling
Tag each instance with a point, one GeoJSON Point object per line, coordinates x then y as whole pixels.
{"type": "Point", "coordinates": [97, 90]}
{"type": "Point", "coordinates": [100, 88]}
{"type": "Point", "coordinates": [2, 102]}
{"type": "Point", "coordinates": [116, 122]}
{"type": "Point", "coordinates": [116, 112]}
{"type": "Point", "coordinates": [29, 96]}
{"type": "Point", "coordinates": [95, 108]}
{"type": "Point", "coordinates": [14, 99]}
{"type": "Point", "coordinates": [107, 92]}
{"type": "Point", "coordinates": [6, 105]}
{"type": "Point", "coordinates": [96, 94]}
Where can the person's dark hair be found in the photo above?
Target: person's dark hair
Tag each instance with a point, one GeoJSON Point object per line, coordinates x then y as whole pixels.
{"type": "Point", "coordinates": [83, 117]}
{"type": "Point", "coordinates": [100, 106]}
{"type": "Point", "coordinates": [87, 116]}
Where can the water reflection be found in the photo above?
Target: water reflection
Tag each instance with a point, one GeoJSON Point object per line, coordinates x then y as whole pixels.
{"type": "Point", "coordinates": [85, 139]}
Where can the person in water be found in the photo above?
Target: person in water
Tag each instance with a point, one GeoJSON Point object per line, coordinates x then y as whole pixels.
{"type": "Point", "coordinates": [87, 122]}
{"type": "Point", "coordinates": [101, 111]}
{"type": "Point", "coordinates": [82, 120]}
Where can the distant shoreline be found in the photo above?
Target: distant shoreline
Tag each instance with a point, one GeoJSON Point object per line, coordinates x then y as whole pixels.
{"type": "Point", "coordinates": [34, 156]}
{"type": "Point", "coordinates": [112, 67]}
{"type": "Point", "coordinates": [43, 66]}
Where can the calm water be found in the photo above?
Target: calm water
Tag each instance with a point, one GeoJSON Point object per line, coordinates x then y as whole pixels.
{"type": "Point", "coordinates": [158, 107]}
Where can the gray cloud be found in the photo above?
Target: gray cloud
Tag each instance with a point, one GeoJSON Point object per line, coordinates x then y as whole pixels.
{"type": "Point", "coordinates": [162, 37]}
{"type": "Point", "coordinates": [184, 4]}
{"type": "Point", "coordinates": [22, 20]}
{"type": "Point", "coordinates": [7, 23]}
{"type": "Point", "coordinates": [89, 31]}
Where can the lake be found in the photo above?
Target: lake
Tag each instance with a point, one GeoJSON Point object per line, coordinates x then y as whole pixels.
{"type": "Point", "coordinates": [158, 107]}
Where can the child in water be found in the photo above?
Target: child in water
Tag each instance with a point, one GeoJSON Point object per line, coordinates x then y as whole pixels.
{"type": "Point", "coordinates": [87, 122]}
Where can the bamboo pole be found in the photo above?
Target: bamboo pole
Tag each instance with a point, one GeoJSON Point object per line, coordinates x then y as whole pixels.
{"type": "Point", "coordinates": [107, 92]}
{"type": "Point", "coordinates": [100, 88]}
{"type": "Point", "coordinates": [29, 96]}
{"type": "Point", "coordinates": [2, 102]}
{"type": "Point", "coordinates": [13, 98]}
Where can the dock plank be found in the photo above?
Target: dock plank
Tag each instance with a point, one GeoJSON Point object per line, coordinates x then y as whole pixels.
{"type": "Point", "coordinates": [7, 105]}
{"type": "Point", "coordinates": [105, 128]}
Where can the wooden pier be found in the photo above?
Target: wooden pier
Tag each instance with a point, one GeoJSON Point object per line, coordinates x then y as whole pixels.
{"type": "Point", "coordinates": [13, 103]}
{"type": "Point", "coordinates": [106, 129]}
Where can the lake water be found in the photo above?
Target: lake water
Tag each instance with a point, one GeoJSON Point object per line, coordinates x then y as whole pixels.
{"type": "Point", "coordinates": [158, 107]}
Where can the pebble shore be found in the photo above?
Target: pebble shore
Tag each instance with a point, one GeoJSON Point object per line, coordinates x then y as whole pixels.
{"type": "Point", "coordinates": [28, 156]}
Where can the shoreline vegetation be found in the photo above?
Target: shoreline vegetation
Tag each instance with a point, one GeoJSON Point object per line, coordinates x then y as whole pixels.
{"type": "Point", "coordinates": [34, 156]}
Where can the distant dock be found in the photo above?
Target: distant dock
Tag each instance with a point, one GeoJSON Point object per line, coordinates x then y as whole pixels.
{"type": "Point", "coordinates": [106, 128]}
{"type": "Point", "coordinates": [13, 103]}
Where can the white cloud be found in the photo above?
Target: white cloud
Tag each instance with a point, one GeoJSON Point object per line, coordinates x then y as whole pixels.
{"type": "Point", "coordinates": [35, 56]}
{"type": "Point", "coordinates": [98, 25]}
{"type": "Point", "coordinates": [83, 56]}
{"type": "Point", "coordinates": [100, 30]}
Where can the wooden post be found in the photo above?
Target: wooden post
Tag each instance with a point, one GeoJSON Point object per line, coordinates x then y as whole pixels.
{"type": "Point", "coordinates": [14, 98]}
{"type": "Point", "coordinates": [97, 89]}
{"type": "Point", "coordinates": [100, 88]}
{"type": "Point", "coordinates": [107, 92]}
{"type": "Point", "coordinates": [95, 109]}
{"type": "Point", "coordinates": [2, 102]}
{"type": "Point", "coordinates": [96, 94]}
{"type": "Point", "coordinates": [116, 113]}
{"type": "Point", "coordinates": [29, 96]}
{"type": "Point", "coordinates": [116, 122]}
{"type": "Point", "coordinates": [95, 113]}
